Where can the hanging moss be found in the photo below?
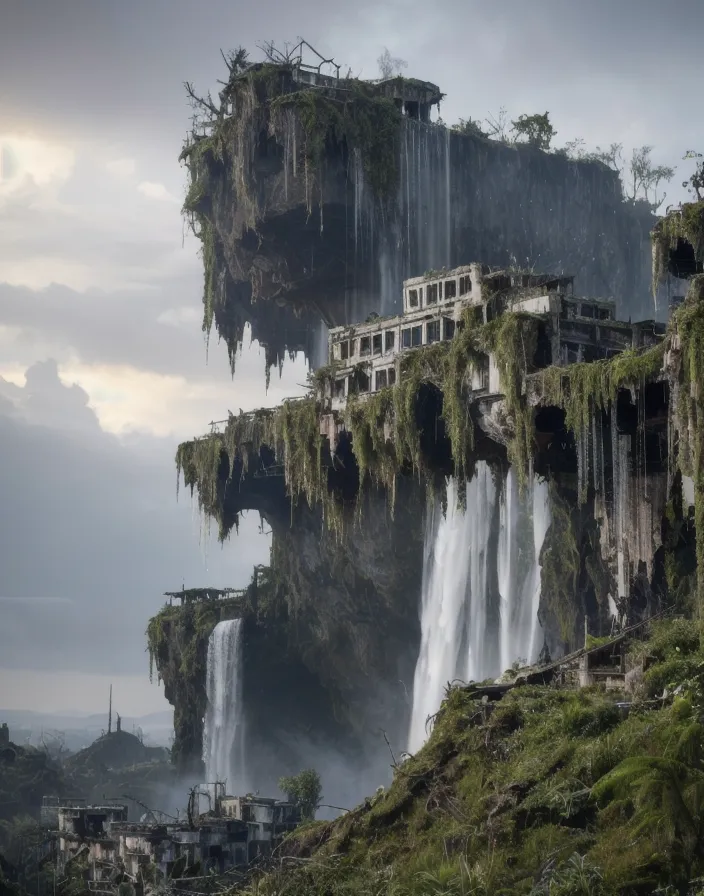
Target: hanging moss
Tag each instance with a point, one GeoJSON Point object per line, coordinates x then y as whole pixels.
{"type": "Point", "coordinates": [267, 102]}
{"type": "Point", "coordinates": [513, 339]}
{"type": "Point", "coordinates": [686, 223]}
{"type": "Point", "coordinates": [366, 123]}
{"type": "Point", "coordinates": [688, 327]}
{"type": "Point", "coordinates": [291, 431]}
{"type": "Point", "coordinates": [367, 421]}
{"type": "Point", "coordinates": [583, 388]}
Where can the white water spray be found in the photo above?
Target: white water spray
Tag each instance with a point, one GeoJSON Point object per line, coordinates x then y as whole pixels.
{"type": "Point", "coordinates": [223, 731]}
{"type": "Point", "coordinates": [523, 523]}
{"type": "Point", "coordinates": [453, 597]}
{"type": "Point", "coordinates": [480, 597]}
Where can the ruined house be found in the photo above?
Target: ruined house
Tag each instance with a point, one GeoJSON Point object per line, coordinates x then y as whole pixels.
{"type": "Point", "coordinates": [238, 830]}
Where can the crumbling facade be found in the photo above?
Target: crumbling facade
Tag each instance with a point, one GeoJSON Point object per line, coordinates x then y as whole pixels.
{"type": "Point", "coordinates": [367, 357]}
{"type": "Point", "coordinates": [110, 846]}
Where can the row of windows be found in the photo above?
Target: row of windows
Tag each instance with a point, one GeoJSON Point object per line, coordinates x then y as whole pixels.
{"type": "Point", "coordinates": [411, 337]}
{"type": "Point", "coordinates": [362, 382]}
{"type": "Point", "coordinates": [386, 342]}
{"type": "Point", "coordinates": [368, 345]}
{"type": "Point", "coordinates": [594, 311]}
{"type": "Point", "coordinates": [438, 292]}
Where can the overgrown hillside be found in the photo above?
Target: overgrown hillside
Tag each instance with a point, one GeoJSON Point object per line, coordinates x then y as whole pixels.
{"type": "Point", "coordinates": [549, 791]}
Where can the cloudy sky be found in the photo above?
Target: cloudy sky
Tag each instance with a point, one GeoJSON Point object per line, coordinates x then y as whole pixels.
{"type": "Point", "coordinates": [102, 362]}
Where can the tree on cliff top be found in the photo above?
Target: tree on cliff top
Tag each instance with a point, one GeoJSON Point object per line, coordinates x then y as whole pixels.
{"type": "Point", "coordinates": [644, 178]}
{"type": "Point", "coordinates": [390, 66]}
{"type": "Point", "coordinates": [305, 790]}
{"type": "Point", "coordinates": [535, 130]}
{"type": "Point", "coordinates": [695, 184]}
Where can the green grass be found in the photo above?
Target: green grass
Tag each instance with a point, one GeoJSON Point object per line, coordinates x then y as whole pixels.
{"type": "Point", "coordinates": [552, 792]}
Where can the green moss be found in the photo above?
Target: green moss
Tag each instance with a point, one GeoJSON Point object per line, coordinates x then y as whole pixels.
{"type": "Point", "coordinates": [291, 431]}
{"type": "Point", "coordinates": [367, 421]}
{"type": "Point", "coordinates": [348, 121]}
{"type": "Point", "coordinates": [365, 123]}
{"type": "Point", "coordinates": [584, 388]}
{"type": "Point", "coordinates": [513, 340]}
{"type": "Point", "coordinates": [686, 223]}
{"type": "Point", "coordinates": [552, 792]}
{"type": "Point", "coordinates": [450, 367]}
{"type": "Point", "coordinates": [688, 328]}
{"type": "Point", "coordinates": [593, 641]}
{"type": "Point", "coordinates": [560, 561]}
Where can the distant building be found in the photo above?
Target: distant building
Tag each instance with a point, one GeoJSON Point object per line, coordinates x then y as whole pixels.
{"type": "Point", "coordinates": [267, 820]}
{"type": "Point", "coordinates": [238, 830]}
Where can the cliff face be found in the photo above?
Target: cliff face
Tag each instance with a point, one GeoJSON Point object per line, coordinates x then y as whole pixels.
{"type": "Point", "coordinates": [319, 203]}
{"type": "Point", "coordinates": [330, 641]}
{"type": "Point", "coordinates": [619, 441]}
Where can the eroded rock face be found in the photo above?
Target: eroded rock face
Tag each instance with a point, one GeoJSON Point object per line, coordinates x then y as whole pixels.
{"type": "Point", "coordinates": [329, 652]}
{"type": "Point", "coordinates": [312, 239]}
{"type": "Point", "coordinates": [353, 603]}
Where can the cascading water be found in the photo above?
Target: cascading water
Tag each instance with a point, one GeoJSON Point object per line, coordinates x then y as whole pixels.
{"type": "Point", "coordinates": [223, 732]}
{"type": "Point", "coordinates": [413, 235]}
{"type": "Point", "coordinates": [523, 524]}
{"type": "Point", "coordinates": [453, 597]}
{"type": "Point", "coordinates": [456, 203]}
{"type": "Point", "coordinates": [480, 594]}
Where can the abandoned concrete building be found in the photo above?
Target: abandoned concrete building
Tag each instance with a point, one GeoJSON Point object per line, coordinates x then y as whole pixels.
{"type": "Point", "coordinates": [232, 833]}
{"type": "Point", "coordinates": [267, 819]}
{"type": "Point", "coordinates": [367, 356]}
{"type": "Point", "coordinates": [413, 98]}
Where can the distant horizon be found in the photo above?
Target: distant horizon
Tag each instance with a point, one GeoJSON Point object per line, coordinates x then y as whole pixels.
{"type": "Point", "coordinates": [40, 691]}
{"type": "Point", "coordinates": [79, 715]}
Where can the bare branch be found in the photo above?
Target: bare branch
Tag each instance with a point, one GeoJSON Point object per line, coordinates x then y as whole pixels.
{"type": "Point", "coordinates": [204, 103]}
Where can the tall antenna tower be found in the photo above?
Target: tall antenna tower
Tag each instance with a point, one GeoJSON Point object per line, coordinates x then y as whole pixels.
{"type": "Point", "coordinates": [110, 712]}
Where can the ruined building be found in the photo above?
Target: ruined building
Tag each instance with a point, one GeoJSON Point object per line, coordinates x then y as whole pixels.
{"type": "Point", "coordinates": [107, 846]}
{"type": "Point", "coordinates": [367, 357]}
{"type": "Point", "coordinates": [315, 195]}
{"type": "Point", "coordinates": [315, 198]}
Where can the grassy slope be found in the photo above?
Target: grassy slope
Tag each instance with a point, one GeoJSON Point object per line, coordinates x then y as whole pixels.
{"type": "Point", "coordinates": [553, 792]}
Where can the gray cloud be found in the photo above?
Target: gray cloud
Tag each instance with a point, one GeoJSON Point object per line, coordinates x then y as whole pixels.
{"type": "Point", "coordinates": [92, 536]}
{"type": "Point", "coordinates": [91, 531]}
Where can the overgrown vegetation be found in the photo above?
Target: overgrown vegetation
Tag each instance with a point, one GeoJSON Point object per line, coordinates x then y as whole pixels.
{"type": "Point", "coordinates": [554, 791]}
{"type": "Point", "coordinates": [583, 389]}
{"type": "Point", "coordinates": [364, 122]}
{"type": "Point", "coordinates": [304, 121]}
{"type": "Point", "coordinates": [686, 224]}
{"type": "Point", "coordinates": [688, 325]}
{"type": "Point", "coordinates": [305, 790]}
{"type": "Point", "coordinates": [386, 429]}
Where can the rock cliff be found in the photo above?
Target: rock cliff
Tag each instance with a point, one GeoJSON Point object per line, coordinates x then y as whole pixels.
{"type": "Point", "coordinates": [313, 203]}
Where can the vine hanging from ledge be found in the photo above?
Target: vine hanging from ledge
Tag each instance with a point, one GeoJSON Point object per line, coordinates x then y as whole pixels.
{"type": "Point", "coordinates": [686, 224]}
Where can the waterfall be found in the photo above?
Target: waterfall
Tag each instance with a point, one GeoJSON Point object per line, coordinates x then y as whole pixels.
{"type": "Point", "coordinates": [453, 601]}
{"type": "Point", "coordinates": [541, 524]}
{"type": "Point", "coordinates": [480, 593]}
{"type": "Point", "coordinates": [415, 234]}
{"type": "Point", "coordinates": [455, 195]}
{"type": "Point", "coordinates": [523, 524]}
{"type": "Point", "coordinates": [223, 731]}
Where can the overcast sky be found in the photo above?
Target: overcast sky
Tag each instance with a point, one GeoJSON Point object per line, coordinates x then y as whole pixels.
{"type": "Point", "coordinates": [102, 360]}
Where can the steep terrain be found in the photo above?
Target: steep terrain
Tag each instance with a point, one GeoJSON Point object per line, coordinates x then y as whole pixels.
{"type": "Point", "coordinates": [549, 791]}
{"type": "Point", "coordinates": [315, 672]}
